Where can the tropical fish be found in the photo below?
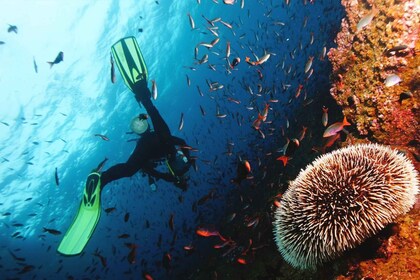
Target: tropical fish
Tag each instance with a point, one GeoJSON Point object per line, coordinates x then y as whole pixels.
{"type": "Point", "coordinates": [324, 116]}
{"type": "Point", "coordinates": [207, 233]}
{"type": "Point", "coordinates": [241, 260]}
{"type": "Point", "coordinates": [298, 91]}
{"type": "Point", "coordinates": [154, 90]}
{"type": "Point", "coordinates": [365, 21]}
{"type": "Point", "coordinates": [257, 123]}
{"type": "Point", "coordinates": [181, 122]}
{"type": "Point", "coordinates": [395, 49]}
{"type": "Point", "coordinates": [204, 59]}
{"type": "Point", "coordinates": [52, 231]}
{"type": "Point", "coordinates": [226, 24]}
{"type": "Point", "coordinates": [57, 182]}
{"type": "Point", "coordinates": [335, 128]}
{"type": "Point", "coordinates": [323, 53]}
{"type": "Point", "coordinates": [203, 113]}
{"type": "Point", "coordinates": [171, 222]}
{"type": "Point", "coordinates": [103, 137]}
{"type": "Point", "coordinates": [132, 255]}
{"type": "Point", "coordinates": [259, 61]}
{"type": "Point", "coordinates": [126, 217]}
{"type": "Point", "coordinates": [103, 259]}
{"type": "Point", "coordinates": [265, 112]}
{"type": "Point", "coordinates": [192, 24]}
{"type": "Point", "coordinates": [302, 133]}
{"type": "Point", "coordinates": [57, 60]}
{"type": "Point", "coordinates": [227, 49]}
{"type": "Point", "coordinates": [288, 150]}
{"type": "Point", "coordinates": [405, 95]}
{"type": "Point", "coordinates": [166, 261]}
{"type": "Point", "coordinates": [113, 78]}
{"type": "Point", "coordinates": [2, 43]}
{"type": "Point", "coordinates": [35, 66]}
{"type": "Point", "coordinates": [308, 64]}
{"type": "Point", "coordinates": [235, 62]}
{"type": "Point", "coordinates": [392, 80]}
{"type": "Point", "coordinates": [12, 28]}
{"type": "Point", "coordinates": [188, 247]}
{"type": "Point", "coordinates": [242, 171]}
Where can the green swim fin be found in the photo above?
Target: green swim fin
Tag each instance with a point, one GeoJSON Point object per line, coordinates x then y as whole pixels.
{"type": "Point", "coordinates": [83, 226]}
{"type": "Point", "coordinates": [129, 60]}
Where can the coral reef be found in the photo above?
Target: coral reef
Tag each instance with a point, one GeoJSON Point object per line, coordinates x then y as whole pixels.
{"type": "Point", "coordinates": [342, 199]}
{"type": "Point", "coordinates": [363, 60]}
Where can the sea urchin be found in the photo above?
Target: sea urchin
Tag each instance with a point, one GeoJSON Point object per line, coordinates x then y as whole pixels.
{"type": "Point", "coordinates": [340, 200]}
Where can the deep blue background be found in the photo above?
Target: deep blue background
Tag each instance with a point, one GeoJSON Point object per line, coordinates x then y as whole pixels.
{"type": "Point", "coordinates": [49, 119]}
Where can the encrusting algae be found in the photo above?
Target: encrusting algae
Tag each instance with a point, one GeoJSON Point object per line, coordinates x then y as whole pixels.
{"type": "Point", "coordinates": [376, 81]}
{"type": "Point", "coordinates": [384, 47]}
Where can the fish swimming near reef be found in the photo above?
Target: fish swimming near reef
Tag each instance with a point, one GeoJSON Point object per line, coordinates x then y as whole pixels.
{"type": "Point", "coordinates": [392, 80]}
{"type": "Point", "coordinates": [324, 116]}
{"type": "Point", "coordinates": [289, 150]}
{"type": "Point", "coordinates": [335, 128]}
{"type": "Point", "coordinates": [57, 60]}
{"type": "Point", "coordinates": [366, 20]}
{"type": "Point", "coordinates": [242, 171]}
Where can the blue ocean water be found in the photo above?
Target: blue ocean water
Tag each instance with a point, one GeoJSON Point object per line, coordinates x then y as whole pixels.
{"type": "Point", "coordinates": [49, 117]}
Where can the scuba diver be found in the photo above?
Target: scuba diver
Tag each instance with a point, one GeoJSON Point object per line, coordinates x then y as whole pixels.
{"type": "Point", "coordinates": [152, 147]}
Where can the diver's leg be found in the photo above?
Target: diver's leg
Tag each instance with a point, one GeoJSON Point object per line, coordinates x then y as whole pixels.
{"type": "Point", "coordinates": [122, 170]}
{"type": "Point", "coordinates": [143, 95]}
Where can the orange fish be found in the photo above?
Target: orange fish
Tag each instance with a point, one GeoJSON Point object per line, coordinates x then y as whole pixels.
{"type": "Point", "coordinates": [335, 128]}
{"type": "Point", "coordinates": [289, 149]}
{"type": "Point", "coordinates": [257, 123]}
{"type": "Point", "coordinates": [241, 260]}
{"type": "Point", "coordinates": [265, 112]}
{"type": "Point", "coordinates": [259, 61]}
{"type": "Point", "coordinates": [298, 91]}
{"type": "Point", "coordinates": [207, 233]}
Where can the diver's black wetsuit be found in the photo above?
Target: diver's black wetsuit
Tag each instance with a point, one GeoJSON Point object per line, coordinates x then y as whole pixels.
{"type": "Point", "coordinates": [151, 147]}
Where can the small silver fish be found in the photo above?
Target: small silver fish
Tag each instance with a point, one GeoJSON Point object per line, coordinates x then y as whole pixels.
{"type": "Point", "coordinates": [192, 24]}
{"type": "Point", "coordinates": [181, 122]}
{"type": "Point", "coordinates": [365, 21]}
{"type": "Point", "coordinates": [392, 80]}
{"type": "Point", "coordinates": [154, 90]}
